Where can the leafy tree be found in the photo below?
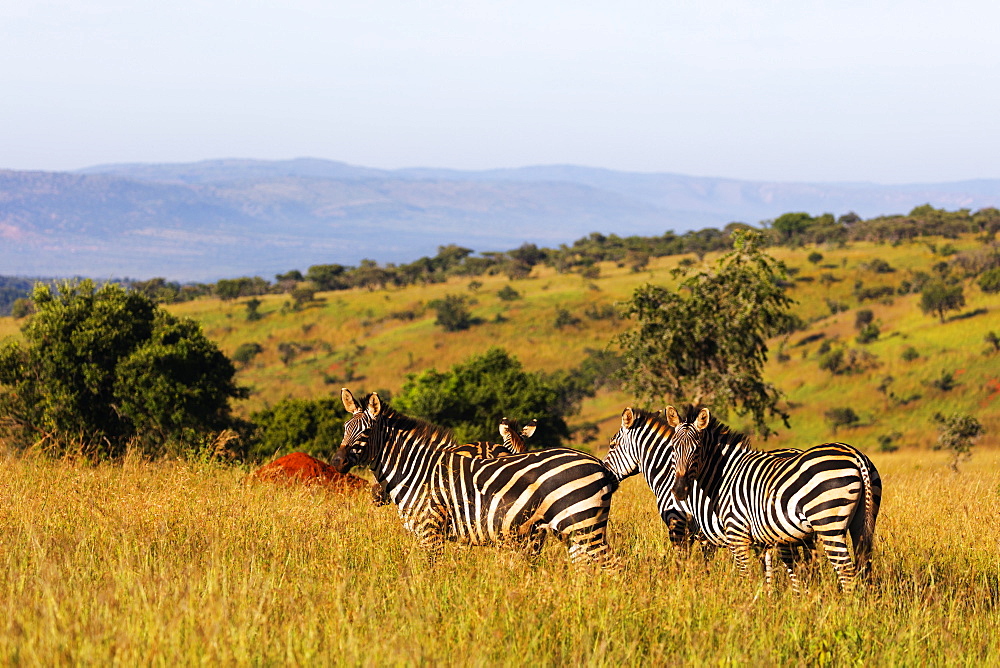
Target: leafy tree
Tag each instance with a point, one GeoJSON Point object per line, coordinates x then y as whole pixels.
{"type": "Point", "coordinates": [325, 277]}
{"type": "Point", "coordinates": [841, 417]}
{"type": "Point", "coordinates": [989, 281]}
{"type": "Point", "coordinates": [313, 426]}
{"type": "Point", "coordinates": [957, 433]}
{"type": "Point", "coordinates": [246, 352]}
{"type": "Point", "coordinates": [992, 339]}
{"type": "Point", "coordinates": [939, 297]}
{"type": "Point", "coordinates": [474, 395]}
{"type": "Point", "coordinates": [706, 342]}
{"type": "Point", "coordinates": [452, 313]}
{"type": "Point", "coordinates": [508, 294]}
{"type": "Point", "coordinates": [909, 354]}
{"type": "Point", "coordinates": [102, 367]}
{"type": "Point", "coordinates": [815, 257]}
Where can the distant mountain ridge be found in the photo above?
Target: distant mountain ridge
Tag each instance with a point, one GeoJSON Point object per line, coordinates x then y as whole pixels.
{"type": "Point", "coordinates": [226, 218]}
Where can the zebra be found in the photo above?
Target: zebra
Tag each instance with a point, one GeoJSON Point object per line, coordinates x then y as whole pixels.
{"type": "Point", "coordinates": [828, 492]}
{"type": "Point", "coordinates": [646, 442]}
{"type": "Point", "coordinates": [513, 440]}
{"type": "Point", "coordinates": [514, 499]}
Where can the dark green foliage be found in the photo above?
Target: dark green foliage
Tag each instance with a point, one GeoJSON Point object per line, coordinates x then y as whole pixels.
{"type": "Point", "coordinates": [253, 312]}
{"type": "Point", "coordinates": [13, 290]}
{"type": "Point", "coordinates": [707, 342]}
{"type": "Point", "coordinates": [22, 308]}
{"type": "Point", "coordinates": [887, 442]}
{"type": "Point", "coordinates": [909, 354]}
{"type": "Point", "coordinates": [452, 313]}
{"type": "Point", "coordinates": [326, 276]}
{"type": "Point", "coordinates": [878, 266]}
{"type": "Point", "coordinates": [101, 368]}
{"type": "Point", "coordinates": [840, 361]}
{"type": "Point", "coordinates": [234, 288]}
{"type": "Point", "coordinates": [958, 433]}
{"type": "Point", "coordinates": [507, 294]}
{"type": "Point", "coordinates": [989, 281]}
{"type": "Point", "coordinates": [945, 382]}
{"type": "Point", "coordinates": [992, 339]}
{"type": "Point", "coordinates": [564, 319]}
{"type": "Point", "coordinates": [939, 297]}
{"type": "Point", "coordinates": [313, 426]}
{"type": "Point", "coordinates": [246, 352]}
{"type": "Point", "coordinates": [815, 257]}
{"type": "Point", "coordinates": [863, 317]}
{"type": "Point", "coordinates": [841, 417]}
{"type": "Point", "coordinates": [474, 395]}
{"type": "Point", "coordinates": [868, 333]}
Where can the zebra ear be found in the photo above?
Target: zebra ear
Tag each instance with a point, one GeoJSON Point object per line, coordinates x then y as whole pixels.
{"type": "Point", "coordinates": [374, 406]}
{"type": "Point", "coordinates": [349, 403]}
{"type": "Point", "coordinates": [702, 421]}
{"type": "Point", "coordinates": [529, 429]}
{"type": "Point", "coordinates": [673, 419]}
{"type": "Point", "coordinates": [504, 429]}
{"type": "Point", "coordinates": [628, 418]}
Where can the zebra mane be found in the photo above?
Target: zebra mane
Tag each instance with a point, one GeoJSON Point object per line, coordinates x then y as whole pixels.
{"type": "Point", "coordinates": [420, 429]}
{"type": "Point", "coordinates": [718, 434]}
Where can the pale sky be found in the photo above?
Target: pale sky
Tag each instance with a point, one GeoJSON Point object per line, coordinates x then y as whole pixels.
{"type": "Point", "coordinates": [888, 91]}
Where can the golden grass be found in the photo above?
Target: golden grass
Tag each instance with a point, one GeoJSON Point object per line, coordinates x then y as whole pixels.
{"type": "Point", "coordinates": [185, 563]}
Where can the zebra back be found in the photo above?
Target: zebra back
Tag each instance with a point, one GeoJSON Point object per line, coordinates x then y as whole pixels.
{"type": "Point", "coordinates": [830, 491]}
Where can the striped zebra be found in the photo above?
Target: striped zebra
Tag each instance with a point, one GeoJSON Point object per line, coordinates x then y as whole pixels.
{"type": "Point", "coordinates": [513, 440]}
{"type": "Point", "coordinates": [753, 498]}
{"type": "Point", "coordinates": [511, 500]}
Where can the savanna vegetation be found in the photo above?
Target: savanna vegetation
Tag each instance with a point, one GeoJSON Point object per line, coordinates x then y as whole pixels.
{"type": "Point", "coordinates": [179, 561]}
{"type": "Point", "coordinates": [145, 544]}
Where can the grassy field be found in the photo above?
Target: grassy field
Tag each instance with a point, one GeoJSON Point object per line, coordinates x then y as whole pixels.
{"type": "Point", "coordinates": [186, 563]}
{"type": "Point", "coordinates": [372, 339]}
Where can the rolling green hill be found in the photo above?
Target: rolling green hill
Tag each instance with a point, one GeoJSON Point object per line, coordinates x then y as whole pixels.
{"type": "Point", "coordinates": [371, 339]}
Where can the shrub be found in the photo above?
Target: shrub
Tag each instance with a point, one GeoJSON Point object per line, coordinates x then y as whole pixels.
{"type": "Point", "coordinates": [863, 318]}
{"type": "Point", "coordinates": [939, 297]}
{"type": "Point", "coordinates": [565, 319]}
{"type": "Point", "coordinates": [100, 368]}
{"type": "Point", "coordinates": [452, 313]}
{"type": "Point", "coordinates": [909, 354]}
{"type": "Point", "coordinates": [815, 257]}
{"type": "Point", "coordinates": [474, 395]}
{"type": "Point", "coordinates": [989, 281]}
{"type": "Point", "coordinates": [246, 352]}
{"type": "Point", "coordinates": [868, 333]}
{"type": "Point", "coordinates": [508, 294]}
{"type": "Point", "coordinates": [957, 433]}
{"type": "Point", "coordinates": [887, 442]}
{"type": "Point", "coordinates": [841, 417]}
{"type": "Point", "coordinates": [313, 426]}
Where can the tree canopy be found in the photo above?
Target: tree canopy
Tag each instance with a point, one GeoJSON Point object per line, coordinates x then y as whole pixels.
{"type": "Point", "coordinates": [473, 396]}
{"type": "Point", "coordinates": [101, 368]}
{"type": "Point", "coordinates": [706, 342]}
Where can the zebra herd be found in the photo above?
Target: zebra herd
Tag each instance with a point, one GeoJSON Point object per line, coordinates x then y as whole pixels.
{"type": "Point", "coordinates": [710, 486]}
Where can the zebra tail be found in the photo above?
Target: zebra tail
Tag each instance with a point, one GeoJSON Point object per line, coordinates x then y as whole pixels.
{"type": "Point", "coordinates": [863, 549]}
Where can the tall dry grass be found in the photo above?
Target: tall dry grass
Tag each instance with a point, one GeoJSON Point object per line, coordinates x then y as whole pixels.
{"type": "Point", "coordinates": [185, 563]}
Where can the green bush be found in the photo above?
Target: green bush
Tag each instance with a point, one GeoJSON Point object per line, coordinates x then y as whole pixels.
{"type": "Point", "coordinates": [313, 426]}
{"type": "Point", "coordinates": [103, 368]}
{"type": "Point", "coordinates": [472, 397]}
{"type": "Point", "coordinates": [452, 313]}
{"type": "Point", "coordinates": [989, 281]}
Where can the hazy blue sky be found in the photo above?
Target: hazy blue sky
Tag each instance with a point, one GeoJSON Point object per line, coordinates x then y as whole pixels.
{"type": "Point", "coordinates": [889, 91]}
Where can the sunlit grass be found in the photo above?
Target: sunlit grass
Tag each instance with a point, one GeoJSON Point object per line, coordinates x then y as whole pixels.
{"type": "Point", "coordinates": [178, 562]}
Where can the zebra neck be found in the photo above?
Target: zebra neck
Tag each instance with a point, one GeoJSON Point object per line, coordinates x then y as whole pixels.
{"type": "Point", "coordinates": [404, 457]}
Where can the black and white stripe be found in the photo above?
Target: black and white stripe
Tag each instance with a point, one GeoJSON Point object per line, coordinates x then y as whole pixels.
{"type": "Point", "coordinates": [515, 499]}
{"type": "Point", "coordinates": [740, 497]}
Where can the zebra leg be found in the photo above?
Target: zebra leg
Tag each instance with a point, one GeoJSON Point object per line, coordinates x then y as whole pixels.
{"type": "Point", "coordinates": [431, 527]}
{"type": "Point", "coordinates": [380, 497]}
{"type": "Point", "coordinates": [835, 544]}
{"type": "Point", "coordinates": [739, 547]}
{"type": "Point", "coordinates": [535, 543]}
{"type": "Point", "coordinates": [769, 569]}
{"type": "Point", "coordinates": [591, 547]}
{"type": "Point", "coordinates": [787, 553]}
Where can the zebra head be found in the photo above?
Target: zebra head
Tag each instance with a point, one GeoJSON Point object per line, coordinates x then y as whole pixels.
{"type": "Point", "coordinates": [625, 450]}
{"type": "Point", "coordinates": [687, 455]}
{"type": "Point", "coordinates": [514, 436]}
{"type": "Point", "coordinates": [354, 450]}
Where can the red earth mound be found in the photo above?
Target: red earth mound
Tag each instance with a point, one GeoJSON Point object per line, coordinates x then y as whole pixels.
{"type": "Point", "coordinates": [300, 467]}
